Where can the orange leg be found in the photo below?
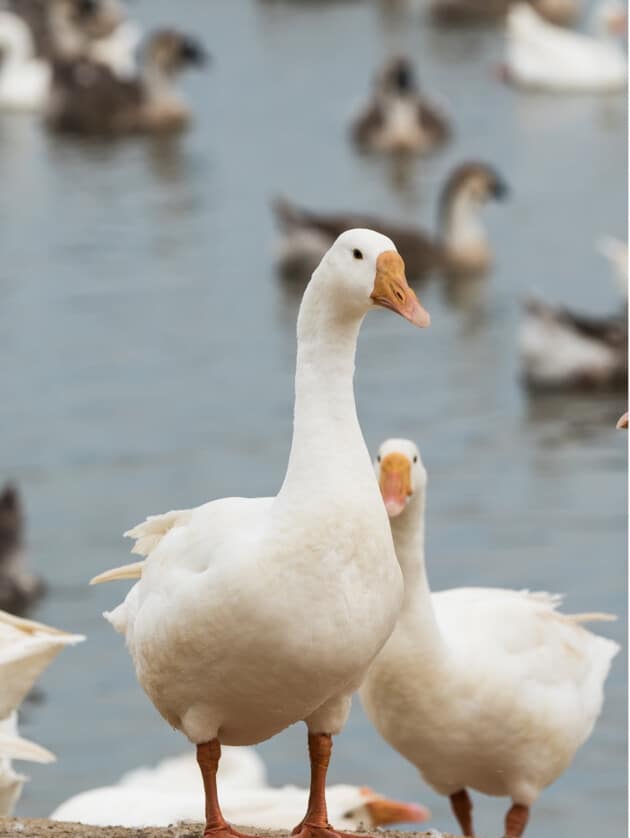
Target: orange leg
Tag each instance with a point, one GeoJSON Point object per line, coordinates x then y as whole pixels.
{"type": "Point", "coordinates": [516, 820]}
{"type": "Point", "coordinates": [208, 756]}
{"type": "Point", "coordinates": [315, 823]}
{"type": "Point", "coordinates": [462, 807]}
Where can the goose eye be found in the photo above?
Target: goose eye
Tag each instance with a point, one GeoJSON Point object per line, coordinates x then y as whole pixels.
{"type": "Point", "coordinates": [357, 253]}
{"type": "Point", "coordinates": [378, 459]}
{"type": "Point", "coordinates": [415, 458]}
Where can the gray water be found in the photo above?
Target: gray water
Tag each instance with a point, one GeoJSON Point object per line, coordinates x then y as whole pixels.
{"type": "Point", "coordinates": [147, 352]}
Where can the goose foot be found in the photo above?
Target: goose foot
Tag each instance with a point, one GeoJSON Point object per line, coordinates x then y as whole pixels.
{"type": "Point", "coordinates": [310, 830]}
{"type": "Point", "coordinates": [223, 831]}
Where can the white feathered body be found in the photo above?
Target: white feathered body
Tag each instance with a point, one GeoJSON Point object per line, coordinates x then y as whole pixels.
{"type": "Point", "coordinates": [541, 55]}
{"type": "Point", "coordinates": [252, 614]}
{"type": "Point", "coordinates": [502, 701]}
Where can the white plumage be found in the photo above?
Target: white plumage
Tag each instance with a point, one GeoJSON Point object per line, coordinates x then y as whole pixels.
{"type": "Point", "coordinates": [541, 55]}
{"type": "Point", "coordinates": [481, 688]}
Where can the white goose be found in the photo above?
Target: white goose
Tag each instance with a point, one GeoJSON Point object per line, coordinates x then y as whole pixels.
{"type": "Point", "coordinates": [26, 649]}
{"type": "Point", "coordinates": [255, 613]}
{"type": "Point", "coordinates": [24, 78]}
{"type": "Point", "coordinates": [479, 688]}
{"type": "Point", "coordinates": [173, 791]}
{"type": "Point", "coordinates": [547, 57]}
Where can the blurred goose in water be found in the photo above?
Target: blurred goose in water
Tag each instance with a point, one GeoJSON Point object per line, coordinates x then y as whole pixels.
{"type": "Point", "coordinates": [467, 12]}
{"type": "Point", "coordinates": [34, 35]}
{"type": "Point", "coordinates": [479, 688]}
{"type": "Point", "coordinates": [88, 99]}
{"type": "Point", "coordinates": [542, 56]}
{"type": "Point", "coordinates": [561, 349]}
{"type": "Point", "coordinates": [13, 747]}
{"type": "Point", "coordinates": [18, 587]}
{"type": "Point", "coordinates": [251, 614]}
{"type": "Point", "coordinates": [173, 792]}
{"type": "Point", "coordinates": [399, 118]}
{"type": "Point", "coordinates": [460, 247]}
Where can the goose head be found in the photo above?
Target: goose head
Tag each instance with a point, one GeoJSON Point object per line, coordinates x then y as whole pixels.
{"type": "Point", "coordinates": [363, 270]}
{"type": "Point", "coordinates": [398, 77]}
{"type": "Point", "coordinates": [168, 52]}
{"type": "Point", "coordinates": [364, 809]}
{"type": "Point", "coordinates": [79, 21]}
{"type": "Point", "coordinates": [400, 474]}
{"type": "Point", "coordinates": [473, 183]}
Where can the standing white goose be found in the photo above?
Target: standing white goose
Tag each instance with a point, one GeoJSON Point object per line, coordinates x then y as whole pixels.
{"type": "Point", "coordinates": [255, 613]}
{"type": "Point", "coordinates": [479, 688]}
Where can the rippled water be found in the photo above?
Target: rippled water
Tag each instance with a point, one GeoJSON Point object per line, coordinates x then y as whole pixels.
{"type": "Point", "coordinates": [147, 351]}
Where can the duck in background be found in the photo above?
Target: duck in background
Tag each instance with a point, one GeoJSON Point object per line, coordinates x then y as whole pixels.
{"type": "Point", "coordinates": [18, 587]}
{"type": "Point", "coordinates": [26, 649]}
{"type": "Point", "coordinates": [459, 249]}
{"type": "Point", "coordinates": [561, 349]}
{"type": "Point", "coordinates": [542, 56]}
{"type": "Point", "coordinates": [479, 688]}
{"type": "Point", "coordinates": [34, 36]}
{"type": "Point", "coordinates": [173, 792]}
{"type": "Point", "coordinates": [89, 99]}
{"type": "Point", "coordinates": [399, 118]}
{"type": "Point", "coordinates": [471, 12]}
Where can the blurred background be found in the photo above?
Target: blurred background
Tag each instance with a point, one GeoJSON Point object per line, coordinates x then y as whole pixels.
{"type": "Point", "coordinates": [147, 358]}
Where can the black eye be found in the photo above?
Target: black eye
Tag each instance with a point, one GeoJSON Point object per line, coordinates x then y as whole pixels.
{"type": "Point", "coordinates": [357, 254]}
{"type": "Point", "coordinates": [415, 458]}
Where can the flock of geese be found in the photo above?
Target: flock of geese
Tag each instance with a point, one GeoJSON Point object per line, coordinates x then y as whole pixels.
{"type": "Point", "coordinates": [250, 614]}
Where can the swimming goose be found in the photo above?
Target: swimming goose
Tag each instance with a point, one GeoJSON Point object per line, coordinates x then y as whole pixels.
{"type": "Point", "coordinates": [399, 118]}
{"type": "Point", "coordinates": [467, 12]}
{"type": "Point", "coordinates": [87, 98]}
{"type": "Point", "coordinates": [543, 56]}
{"type": "Point", "coordinates": [26, 649]}
{"type": "Point", "coordinates": [479, 688]}
{"type": "Point", "coordinates": [561, 349]}
{"type": "Point", "coordinates": [18, 587]}
{"type": "Point", "coordinates": [460, 248]}
{"type": "Point", "coordinates": [13, 747]}
{"type": "Point", "coordinates": [254, 613]}
{"type": "Point", "coordinates": [173, 792]}
{"type": "Point", "coordinates": [33, 36]}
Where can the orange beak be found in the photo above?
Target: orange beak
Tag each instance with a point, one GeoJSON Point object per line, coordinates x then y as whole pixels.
{"type": "Point", "coordinates": [622, 422]}
{"type": "Point", "coordinates": [395, 482]}
{"type": "Point", "coordinates": [383, 811]}
{"type": "Point", "coordinates": [392, 291]}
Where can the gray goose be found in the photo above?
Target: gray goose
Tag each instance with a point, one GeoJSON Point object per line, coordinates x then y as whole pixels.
{"type": "Point", "coordinates": [18, 587]}
{"type": "Point", "coordinates": [66, 29]}
{"type": "Point", "coordinates": [471, 12]}
{"type": "Point", "coordinates": [89, 99]}
{"type": "Point", "coordinates": [460, 247]}
{"type": "Point", "coordinates": [563, 350]}
{"type": "Point", "coordinates": [399, 118]}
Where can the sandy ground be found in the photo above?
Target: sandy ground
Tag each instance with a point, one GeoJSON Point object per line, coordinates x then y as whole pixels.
{"type": "Point", "coordinates": [30, 828]}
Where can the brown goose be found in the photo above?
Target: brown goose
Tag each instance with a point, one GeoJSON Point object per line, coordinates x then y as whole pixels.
{"type": "Point", "coordinates": [18, 587]}
{"type": "Point", "coordinates": [564, 350]}
{"type": "Point", "coordinates": [399, 118]}
{"type": "Point", "coordinates": [470, 12]}
{"type": "Point", "coordinates": [460, 247]}
{"type": "Point", "coordinates": [88, 99]}
{"type": "Point", "coordinates": [65, 29]}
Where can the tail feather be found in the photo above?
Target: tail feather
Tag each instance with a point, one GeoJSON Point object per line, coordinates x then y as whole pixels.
{"type": "Point", "coordinates": [149, 533]}
{"type": "Point", "coordinates": [592, 617]}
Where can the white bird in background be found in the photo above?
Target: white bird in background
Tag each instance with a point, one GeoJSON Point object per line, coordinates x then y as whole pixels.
{"type": "Point", "coordinates": [480, 688]}
{"type": "Point", "coordinates": [173, 792]}
{"type": "Point", "coordinates": [543, 56]}
{"type": "Point", "coordinates": [24, 78]}
{"type": "Point", "coordinates": [26, 649]}
{"type": "Point", "coordinates": [254, 613]}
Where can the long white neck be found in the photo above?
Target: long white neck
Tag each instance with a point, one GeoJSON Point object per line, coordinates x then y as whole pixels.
{"type": "Point", "coordinates": [16, 44]}
{"type": "Point", "coordinates": [417, 614]}
{"type": "Point", "coordinates": [159, 85]}
{"type": "Point", "coordinates": [326, 431]}
{"type": "Point", "coordinates": [461, 223]}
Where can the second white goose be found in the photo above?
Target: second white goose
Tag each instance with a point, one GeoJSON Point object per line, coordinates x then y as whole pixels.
{"type": "Point", "coordinates": [479, 688]}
